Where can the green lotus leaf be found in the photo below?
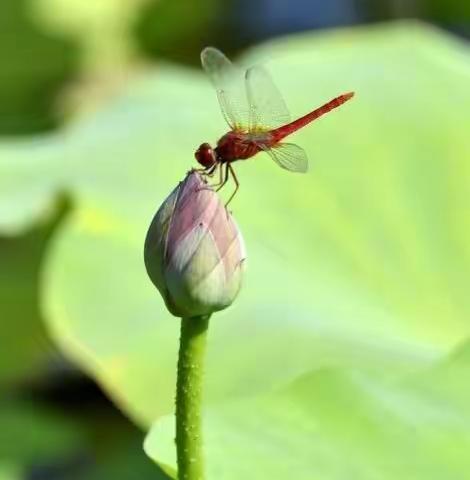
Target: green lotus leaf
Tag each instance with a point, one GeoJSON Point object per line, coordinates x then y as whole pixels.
{"type": "Point", "coordinates": [26, 348]}
{"type": "Point", "coordinates": [102, 30]}
{"type": "Point", "coordinates": [32, 434]}
{"type": "Point", "coordinates": [36, 66]}
{"type": "Point", "coordinates": [339, 424]}
{"type": "Point", "coordinates": [37, 441]}
{"type": "Point", "coordinates": [9, 471]}
{"type": "Point", "coordinates": [362, 262]}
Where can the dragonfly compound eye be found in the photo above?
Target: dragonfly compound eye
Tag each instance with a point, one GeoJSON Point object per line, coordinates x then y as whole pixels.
{"type": "Point", "coordinates": [205, 155]}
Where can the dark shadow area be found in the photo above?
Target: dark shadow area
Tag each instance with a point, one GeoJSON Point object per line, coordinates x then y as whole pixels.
{"type": "Point", "coordinates": [56, 423]}
{"type": "Point", "coordinates": [179, 30]}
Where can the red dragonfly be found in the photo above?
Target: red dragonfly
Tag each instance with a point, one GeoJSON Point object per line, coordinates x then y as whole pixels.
{"type": "Point", "coordinates": [257, 116]}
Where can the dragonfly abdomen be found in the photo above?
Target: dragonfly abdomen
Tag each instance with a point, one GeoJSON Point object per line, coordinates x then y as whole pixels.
{"type": "Point", "coordinates": [279, 133]}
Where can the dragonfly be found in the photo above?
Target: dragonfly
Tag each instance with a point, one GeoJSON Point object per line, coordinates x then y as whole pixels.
{"type": "Point", "coordinates": [258, 119]}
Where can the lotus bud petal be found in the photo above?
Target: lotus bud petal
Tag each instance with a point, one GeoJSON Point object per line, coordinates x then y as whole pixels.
{"type": "Point", "coordinates": [194, 253]}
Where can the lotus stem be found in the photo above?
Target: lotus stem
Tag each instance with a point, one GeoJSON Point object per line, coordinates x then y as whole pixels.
{"type": "Point", "coordinates": [189, 386]}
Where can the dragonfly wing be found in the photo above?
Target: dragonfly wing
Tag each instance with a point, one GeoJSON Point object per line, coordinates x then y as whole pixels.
{"type": "Point", "coordinates": [289, 156]}
{"type": "Point", "coordinates": [229, 83]}
{"type": "Point", "coordinates": [267, 107]}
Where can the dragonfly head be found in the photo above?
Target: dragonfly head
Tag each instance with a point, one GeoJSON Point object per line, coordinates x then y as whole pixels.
{"type": "Point", "coordinates": [205, 155]}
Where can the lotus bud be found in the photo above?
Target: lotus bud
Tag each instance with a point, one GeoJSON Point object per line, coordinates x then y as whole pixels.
{"type": "Point", "coordinates": [194, 253]}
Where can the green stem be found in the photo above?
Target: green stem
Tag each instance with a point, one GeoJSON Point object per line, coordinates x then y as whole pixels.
{"type": "Point", "coordinates": [189, 398]}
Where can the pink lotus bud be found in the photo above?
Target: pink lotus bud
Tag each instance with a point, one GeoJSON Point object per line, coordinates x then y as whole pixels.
{"type": "Point", "coordinates": [194, 252]}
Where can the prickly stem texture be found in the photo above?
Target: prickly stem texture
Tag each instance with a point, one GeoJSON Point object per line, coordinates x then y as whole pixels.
{"type": "Point", "coordinates": [189, 398]}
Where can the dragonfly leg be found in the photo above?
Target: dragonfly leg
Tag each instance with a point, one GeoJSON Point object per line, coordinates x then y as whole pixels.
{"type": "Point", "coordinates": [208, 172]}
{"type": "Point", "coordinates": [202, 171]}
{"type": "Point", "coordinates": [221, 180]}
{"type": "Point", "coordinates": [237, 183]}
{"type": "Point", "coordinates": [225, 177]}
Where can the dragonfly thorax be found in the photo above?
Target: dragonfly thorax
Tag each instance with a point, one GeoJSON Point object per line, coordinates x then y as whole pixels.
{"type": "Point", "coordinates": [205, 155]}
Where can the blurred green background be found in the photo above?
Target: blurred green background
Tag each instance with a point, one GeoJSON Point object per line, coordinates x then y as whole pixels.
{"type": "Point", "coordinates": [346, 356]}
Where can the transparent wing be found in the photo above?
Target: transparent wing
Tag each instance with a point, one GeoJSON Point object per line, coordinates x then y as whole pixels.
{"type": "Point", "coordinates": [289, 156]}
{"type": "Point", "coordinates": [267, 107]}
{"type": "Point", "coordinates": [229, 83]}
